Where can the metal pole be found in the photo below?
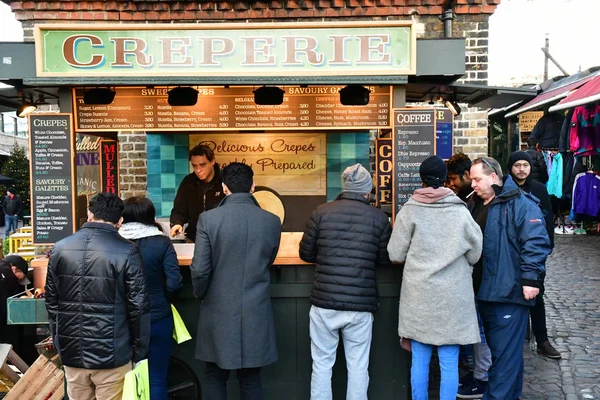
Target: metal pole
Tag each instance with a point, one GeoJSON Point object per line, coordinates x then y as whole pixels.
{"type": "Point", "coordinates": [549, 56]}
{"type": "Point", "coordinates": [546, 51]}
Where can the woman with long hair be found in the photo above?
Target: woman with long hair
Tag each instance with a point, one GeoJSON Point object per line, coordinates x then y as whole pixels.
{"type": "Point", "coordinates": [163, 279]}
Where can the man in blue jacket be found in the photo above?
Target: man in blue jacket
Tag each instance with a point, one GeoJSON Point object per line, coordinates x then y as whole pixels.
{"type": "Point", "coordinates": [515, 248]}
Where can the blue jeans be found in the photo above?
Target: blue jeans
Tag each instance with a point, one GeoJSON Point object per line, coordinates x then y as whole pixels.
{"type": "Point", "coordinates": [10, 221]}
{"type": "Point", "coordinates": [357, 331]}
{"type": "Point", "coordinates": [419, 372]}
{"type": "Point", "coordinates": [159, 352]}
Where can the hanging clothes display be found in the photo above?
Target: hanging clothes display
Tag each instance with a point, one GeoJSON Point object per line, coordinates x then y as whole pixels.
{"type": "Point", "coordinates": [555, 182]}
{"type": "Point", "coordinates": [586, 194]}
{"type": "Point", "coordinates": [547, 130]}
{"type": "Point", "coordinates": [584, 136]}
{"type": "Point", "coordinates": [563, 143]}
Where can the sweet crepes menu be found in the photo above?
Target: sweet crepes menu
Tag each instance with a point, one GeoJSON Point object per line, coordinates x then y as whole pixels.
{"type": "Point", "coordinates": [413, 142]}
{"type": "Point", "coordinates": [52, 177]}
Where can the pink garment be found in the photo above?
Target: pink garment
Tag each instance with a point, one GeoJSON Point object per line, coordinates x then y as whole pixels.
{"type": "Point", "coordinates": [584, 136]}
{"type": "Point", "coordinates": [430, 195]}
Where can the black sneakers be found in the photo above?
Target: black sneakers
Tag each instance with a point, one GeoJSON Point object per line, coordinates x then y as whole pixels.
{"type": "Point", "coordinates": [548, 350]}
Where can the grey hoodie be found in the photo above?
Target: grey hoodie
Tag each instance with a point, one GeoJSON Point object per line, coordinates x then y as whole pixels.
{"type": "Point", "coordinates": [438, 240]}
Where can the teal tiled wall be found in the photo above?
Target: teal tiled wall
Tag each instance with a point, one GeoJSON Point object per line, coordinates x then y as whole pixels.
{"type": "Point", "coordinates": [168, 164]}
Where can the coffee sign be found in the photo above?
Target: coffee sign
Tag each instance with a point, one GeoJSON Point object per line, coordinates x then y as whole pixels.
{"type": "Point", "coordinates": [52, 177]}
{"type": "Point", "coordinates": [290, 164]}
{"type": "Point", "coordinates": [413, 141]}
{"type": "Point", "coordinates": [384, 161]}
{"type": "Point", "coordinates": [282, 50]}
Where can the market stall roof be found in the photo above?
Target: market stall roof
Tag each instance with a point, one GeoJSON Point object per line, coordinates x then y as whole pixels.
{"type": "Point", "coordinates": [556, 92]}
{"type": "Point", "coordinates": [587, 93]}
{"type": "Point", "coordinates": [482, 96]}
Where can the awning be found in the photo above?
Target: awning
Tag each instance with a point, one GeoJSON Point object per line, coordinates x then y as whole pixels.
{"type": "Point", "coordinates": [587, 93]}
{"type": "Point", "coordinates": [550, 96]}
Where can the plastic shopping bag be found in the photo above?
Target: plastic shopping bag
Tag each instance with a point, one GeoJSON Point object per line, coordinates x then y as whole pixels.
{"type": "Point", "coordinates": [137, 383]}
{"type": "Point", "coordinates": [180, 332]}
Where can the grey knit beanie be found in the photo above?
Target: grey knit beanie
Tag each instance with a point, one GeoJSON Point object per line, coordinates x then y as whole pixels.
{"type": "Point", "coordinates": [357, 179]}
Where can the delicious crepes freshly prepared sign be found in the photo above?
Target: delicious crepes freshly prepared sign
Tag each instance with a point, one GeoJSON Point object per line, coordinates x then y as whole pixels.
{"type": "Point", "coordinates": [291, 164]}
{"type": "Point", "coordinates": [373, 48]}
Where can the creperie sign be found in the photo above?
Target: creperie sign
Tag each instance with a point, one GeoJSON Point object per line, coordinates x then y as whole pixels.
{"type": "Point", "coordinates": [225, 49]}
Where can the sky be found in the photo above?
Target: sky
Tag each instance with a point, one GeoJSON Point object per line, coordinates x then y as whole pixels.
{"type": "Point", "coordinates": [517, 32]}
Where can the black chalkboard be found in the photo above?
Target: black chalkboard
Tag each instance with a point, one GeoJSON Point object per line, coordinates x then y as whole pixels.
{"type": "Point", "coordinates": [413, 141]}
{"type": "Point", "coordinates": [52, 177]}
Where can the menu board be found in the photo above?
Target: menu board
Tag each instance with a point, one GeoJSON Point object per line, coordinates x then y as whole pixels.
{"type": "Point", "coordinates": [528, 120]}
{"type": "Point", "coordinates": [413, 142]}
{"type": "Point", "coordinates": [233, 108]}
{"type": "Point", "coordinates": [443, 133]}
{"type": "Point", "coordinates": [52, 177]}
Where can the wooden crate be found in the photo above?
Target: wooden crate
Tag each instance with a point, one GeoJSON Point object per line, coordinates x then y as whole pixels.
{"type": "Point", "coordinates": [42, 381]}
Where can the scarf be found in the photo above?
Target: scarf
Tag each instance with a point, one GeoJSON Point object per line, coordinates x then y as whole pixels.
{"type": "Point", "coordinates": [135, 230]}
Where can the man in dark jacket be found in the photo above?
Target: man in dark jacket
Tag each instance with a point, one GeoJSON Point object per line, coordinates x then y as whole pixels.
{"type": "Point", "coordinates": [539, 169]}
{"type": "Point", "coordinates": [198, 192]}
{"type": "Point", "coordinates": [347, 239]}
{"type": "Point", "coordinates": [13, 275]}
{"type": "Point", "coordinates": [515, 247]}
{"type": "Point", "coordinates": [98, 304]}
{"type": "Point", "coordinates": [236, 245]}
{"type": "Point", "coordinates": [520, 167]}
{"type": "Point", "coordinates": [12, 206]}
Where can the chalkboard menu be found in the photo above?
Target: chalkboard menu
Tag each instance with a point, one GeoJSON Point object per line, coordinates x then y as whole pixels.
{"type": "Point", "coordinates": [413, 142]}
{"type": "Point", "coordinates": [222, 109]}
{"type": "Point", "coordinates": [52, 177]}
{"type": "Point", "coordinates": [443, 133]}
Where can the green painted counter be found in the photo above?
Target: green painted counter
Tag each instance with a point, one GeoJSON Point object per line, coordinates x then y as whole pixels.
{"type": "Point", "coordinates": [289, 378]}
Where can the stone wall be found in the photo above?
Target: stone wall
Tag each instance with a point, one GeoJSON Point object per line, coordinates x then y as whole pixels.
{"type": "Point", "coordinates": [133, 164]}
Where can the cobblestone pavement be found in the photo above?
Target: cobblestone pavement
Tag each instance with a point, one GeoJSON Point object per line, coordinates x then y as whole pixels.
{"type": "Point", "coordinates": [573, 320]}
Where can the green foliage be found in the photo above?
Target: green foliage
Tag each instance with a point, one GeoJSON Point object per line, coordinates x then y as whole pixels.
{"type": "Point", "coordinates": [17, 167]}
{"type": "Point", "coordinates": [5, 247]}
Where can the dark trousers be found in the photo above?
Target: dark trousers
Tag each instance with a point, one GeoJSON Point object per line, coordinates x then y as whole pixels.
{"type": "Point", "coordinates": [538, 318]}
{"type": "Point", "coordinates": [215, 385]}
{"type": "Point", "coordinates": [159, 352]}
{"type": "Point", "coordinates": [505, 326]}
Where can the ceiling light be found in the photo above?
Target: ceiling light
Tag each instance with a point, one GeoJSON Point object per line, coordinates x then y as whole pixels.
{"type": "Point", "coordinates": [25, 109]}
{"type": "Point", "coordinates": [453, 107]}
{"type": "Point", "coordinates": [268, 96]}
{"type": "Point", "coordinates": [98, 96]}
{"type": "Point", "coordinates": [354, 95]}
{"type": "Point", "coordinates": [183, 96]}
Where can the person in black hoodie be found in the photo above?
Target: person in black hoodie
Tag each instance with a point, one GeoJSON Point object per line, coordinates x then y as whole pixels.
{"type": "Point", "coordinates": [520, 166]}
{"type": "Point", "coordinates": [198, 192]}
{"type": "Point", "coordinates": [13, 275]}
{"type": "Point", "coordinates": [539, 169]}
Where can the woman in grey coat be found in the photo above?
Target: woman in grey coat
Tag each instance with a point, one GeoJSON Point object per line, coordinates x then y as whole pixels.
{"type": "Point", "coordinates": [438, 241]}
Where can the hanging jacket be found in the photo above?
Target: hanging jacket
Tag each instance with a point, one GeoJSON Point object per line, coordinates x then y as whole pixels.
{"type": "Point", "coordinates": [586, 194]}
{"type": "Point", "coordinates": [547, 130]}
{"type": "Point", "coordinates": [563, 142]}
{"type": "Point", "coordinates": [539, 170]}
{"type": "Point", "coordinates": [585, 130]}
{"type": "Point", "coordinates": [515, 246]}
{"type": "Point", "coordinates": [555, 183]}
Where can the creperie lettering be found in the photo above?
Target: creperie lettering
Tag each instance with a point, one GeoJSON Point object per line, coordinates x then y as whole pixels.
{"type": "Point", "coordinates": [87, 51]}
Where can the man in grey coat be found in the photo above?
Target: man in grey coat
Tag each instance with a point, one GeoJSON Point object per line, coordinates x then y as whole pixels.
{"type": "Point", "coordinates": [236, 244]}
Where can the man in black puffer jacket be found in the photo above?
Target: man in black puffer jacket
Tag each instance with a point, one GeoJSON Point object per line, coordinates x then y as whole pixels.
{"type": "Point", "coordinates": [347, 239]}
{"type": "Point", "coordinates": [539, 169]}
{"type": "Point", "coordinates": [98, 304]}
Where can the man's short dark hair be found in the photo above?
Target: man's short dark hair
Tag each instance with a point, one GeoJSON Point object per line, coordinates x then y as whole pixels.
{"type": "Point", "coordinates": [202, 150]}
{"type": "Point", "coordinates": [107, 207]}
{"type": "Point", "coordinates": [458, 164]}
{"type": "Point", "coordinates": [238, 177]}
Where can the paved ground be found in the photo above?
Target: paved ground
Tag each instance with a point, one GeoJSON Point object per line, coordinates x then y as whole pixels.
{"type": "Point", "coordinates": [573, 319]}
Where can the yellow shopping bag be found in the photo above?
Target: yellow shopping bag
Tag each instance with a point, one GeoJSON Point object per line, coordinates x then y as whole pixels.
{"type": "Point", "coordinates": [180, 332]}
{"type": "Point", "coordinates": [137, 383]}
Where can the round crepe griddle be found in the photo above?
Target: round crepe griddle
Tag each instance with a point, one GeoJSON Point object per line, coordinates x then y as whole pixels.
{"type": "Point", "coordinates": [269, 201]}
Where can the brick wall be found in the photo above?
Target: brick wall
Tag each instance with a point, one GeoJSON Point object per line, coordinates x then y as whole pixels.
{"type": "Point", "coordinates": [132, 164]}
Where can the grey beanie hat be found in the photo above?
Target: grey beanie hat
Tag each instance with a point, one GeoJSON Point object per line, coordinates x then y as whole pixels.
{"type": "Point", "coordinates": [357, 179]}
